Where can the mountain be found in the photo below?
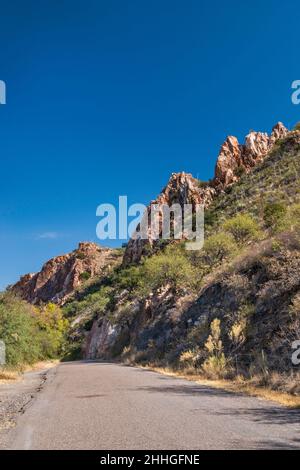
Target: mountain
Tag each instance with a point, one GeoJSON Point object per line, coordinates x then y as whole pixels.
{"type": "Point", "coordinates": [230, 310]}
{"type": "Point", "coordinates": [234, 159]}
{"type": "Point", "coordinates": [62, 275]}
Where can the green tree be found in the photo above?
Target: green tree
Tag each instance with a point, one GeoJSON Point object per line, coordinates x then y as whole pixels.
{"type": "Point", "coordinates": [18, 330]}
{"type": "Point", "coordinates": [52, 328]}
{"type": "Point", "coordinates": [274, 214]}
{"type": "Point", "coordinates": [243, 227]}
{"type": "Point", "coordinates": [218, 247]}
{"type": "Point", "coordinates": [170, 267]}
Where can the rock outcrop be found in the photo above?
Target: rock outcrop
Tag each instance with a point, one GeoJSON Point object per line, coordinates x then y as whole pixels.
{"type": "Point", "coordinates": [182, 188]}
{"type": "Point", "coordinates": [60, 276]}
{"type": "Point", "coordinates": [234, 159]}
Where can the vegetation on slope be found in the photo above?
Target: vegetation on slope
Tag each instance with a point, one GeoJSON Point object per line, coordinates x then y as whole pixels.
{"type": "Point", "coordinates": [30, 334]}
{"type": "Point", "coordinates": [231, 309]}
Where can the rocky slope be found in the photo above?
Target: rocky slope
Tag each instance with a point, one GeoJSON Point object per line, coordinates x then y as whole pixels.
{"type": "Point", "coordinates": [234, 159]}
{"type": "Point", "coordinates": [242, 313]}
{"type": "Point", "coordinates": [182, 188]}
{"type": "Point", "coordinates": [231, 309]}
{"type": "Point", "coordinates": [62, 275]}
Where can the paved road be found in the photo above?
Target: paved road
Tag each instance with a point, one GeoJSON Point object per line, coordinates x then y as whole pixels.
{"type": "Point", "coordinates": [92, 405]}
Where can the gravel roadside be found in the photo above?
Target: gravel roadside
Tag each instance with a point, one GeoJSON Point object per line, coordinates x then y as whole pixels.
{"type": "Point", "coordinates": [15, 397]}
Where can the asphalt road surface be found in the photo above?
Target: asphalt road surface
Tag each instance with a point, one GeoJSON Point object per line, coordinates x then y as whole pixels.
{"type": "Point", "coordinates": [98, 405]}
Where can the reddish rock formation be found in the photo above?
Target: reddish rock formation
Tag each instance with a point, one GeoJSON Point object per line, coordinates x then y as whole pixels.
{"type": "Point", "coordinates": [182, 188]}
{"type": "Point", "coordinates": [235, 159]}
{"type": "Point", "coordinates": [60, 276]}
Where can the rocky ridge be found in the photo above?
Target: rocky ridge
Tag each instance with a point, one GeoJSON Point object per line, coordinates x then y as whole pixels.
{"type": "Point", "coordinates": [234, 159]}
{"type": "Point", "coordinates": [60, 276]}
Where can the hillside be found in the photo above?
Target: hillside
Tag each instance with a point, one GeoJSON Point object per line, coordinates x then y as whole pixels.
{"type": "Point", "coordinates": [62, 275]}
{"type": "Point", "coordinates": [230, 310]}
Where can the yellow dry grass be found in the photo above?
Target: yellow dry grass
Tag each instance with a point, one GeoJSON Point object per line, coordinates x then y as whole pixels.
{"type": "Point", "coordinates": [234, 386]}
{"type": "Point", "coordinates": [8, 375]}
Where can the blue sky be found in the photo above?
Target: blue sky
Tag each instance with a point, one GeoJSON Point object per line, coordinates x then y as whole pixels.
{"type": "Point", "coordinates": [109, 97]}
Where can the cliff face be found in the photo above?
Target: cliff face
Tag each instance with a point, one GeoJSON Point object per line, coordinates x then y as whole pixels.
{"type": "Point", "coordinates": [182, 188]}
{"type": "Point", "coordinates": [60, 276]}
{"type": "Point", "coordinates": [252, 295]}
{"type": "Point", "coordinates": [234, 159]}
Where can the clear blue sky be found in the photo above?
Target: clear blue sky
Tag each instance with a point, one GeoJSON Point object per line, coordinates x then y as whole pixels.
{"type": "Point", "coordinates": [108, 97]}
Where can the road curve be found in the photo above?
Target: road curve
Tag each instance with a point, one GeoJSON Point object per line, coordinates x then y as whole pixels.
{"type": "Point", "coordinates": [100, 405]}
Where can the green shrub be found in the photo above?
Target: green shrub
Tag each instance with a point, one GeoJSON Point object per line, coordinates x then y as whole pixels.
{"type": "Point", "coordinates": [189, 358]}
{"type": "Point", "coordinates": [294, 216]}
{"type": "Point", "coordinates": [80, 255]}
{"type": "Point", "coordinates": [216, 364]}
{"type": "Point", "coordinates": [127, 278]}
{"type": "Point", "coordinates": [170, 267]}
{"type": "Point", "coordinates": [274, 213]}
{"type": "Point", "coordinates": [202, 184]}
{"type": "Point", "coordinates": [91, 304]}
{"type": "Point", "coordinates": [210, 218]}
{"type": "Point", "coordinates": [85, 276]}
{"type": "Point", "coordinates": [18, 330]}
{"type": "Point", "coordinates": [29, 333]}
{"type": "Point", "coordinates": [240, 171]}
{"type": "Point", "coordinates": [297, 127]}
{"type": "Point", "coordinates": [52, 328]}
{"type": "Point", "coordinates": [216, 367]}
{"type": "Point", "coordinates": [243, 228]}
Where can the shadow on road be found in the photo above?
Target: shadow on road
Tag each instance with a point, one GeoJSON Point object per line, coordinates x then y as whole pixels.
{"type": "Point", "coordinates": [272, 415]}
{"type": "Point", "coordinates": [192, 390]}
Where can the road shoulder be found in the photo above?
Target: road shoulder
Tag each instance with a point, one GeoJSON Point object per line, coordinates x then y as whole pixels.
{"type": "Point", "coordinates": [16, 396]}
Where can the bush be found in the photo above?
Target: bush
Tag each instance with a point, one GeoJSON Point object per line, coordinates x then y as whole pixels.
{"type": "Point", "coordinates": [188, 359]}
{"type": "Point", "coordinates": [294, 216]}
{"type": "Point", "coordinates": [297, 127]}
{"type": "Point", "coordinates": [219, 246]}
{"type": "Point", "coordinates": [171, 267]}
{"type": "Point", "coordinates": [243, 228]}
{"type": "Point", "coordinates": [18, 330]}
{"type": "Point", "coordinates": [85, 276]}
{"type": "Point", "coordinates": [91, 304]}
{"type": "Point", "coordinates": [210, 218]}
{"type": "Point", "coordinates": [215, 366]}
{"type": "Point", "coordinates": [127, 278]}
{"type": "Point", "coordinates": [52, 330]}
{"type": "Point", "coordinates": [202, 184]}
{"type": "Point", "coordinates": [30, 334]}
{"type": "Point", "coordinates": [80, 255]}
{"type": "Point", "coordinates": [274, 213]}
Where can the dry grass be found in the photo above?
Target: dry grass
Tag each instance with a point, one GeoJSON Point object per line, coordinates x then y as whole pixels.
{"type": "Point", "coordinates": [238, 385]}
{"type": "Point", "coordinates": [8, 375]}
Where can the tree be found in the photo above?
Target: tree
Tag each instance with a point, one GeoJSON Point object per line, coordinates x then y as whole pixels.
{"type": "Point", "coordinates": [219, 246]}
{"type": "Point", "coordinates": [243, 227]}
{"type": "Point", "coordinates": [274, 213]}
